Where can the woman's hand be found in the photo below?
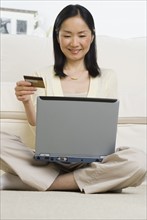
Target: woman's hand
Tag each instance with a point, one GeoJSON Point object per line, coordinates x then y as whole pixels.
{"type": "Point", "coordinates": [23, 90]}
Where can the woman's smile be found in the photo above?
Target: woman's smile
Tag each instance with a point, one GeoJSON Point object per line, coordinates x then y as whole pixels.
{"type": "Point", "coordinates": [74, 51]}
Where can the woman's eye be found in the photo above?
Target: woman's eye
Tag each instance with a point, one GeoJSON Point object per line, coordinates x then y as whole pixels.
{"type": "Point", "coordinates": [82, 36]}
{"type": "Point", "coordinates": [66, 36]}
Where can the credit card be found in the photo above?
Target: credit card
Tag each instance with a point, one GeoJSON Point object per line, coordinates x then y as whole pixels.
{"type": "Point", "coordinates": [35, 81]}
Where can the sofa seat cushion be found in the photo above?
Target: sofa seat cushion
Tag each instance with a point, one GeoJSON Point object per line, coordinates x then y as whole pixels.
{"type": "Point", "coordinates": [132, 135]}
{"type": "Point", "coordinates": [20, 128]}
{"type": "Point", "coordinates": [10, 106]}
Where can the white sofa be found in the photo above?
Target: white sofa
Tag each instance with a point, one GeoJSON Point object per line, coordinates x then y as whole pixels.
{"type": "Point", "coordinates": [24, 54]}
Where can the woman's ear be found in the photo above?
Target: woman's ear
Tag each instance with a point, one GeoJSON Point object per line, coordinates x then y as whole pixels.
{"type": "Point", "coordinates": [92, 38]}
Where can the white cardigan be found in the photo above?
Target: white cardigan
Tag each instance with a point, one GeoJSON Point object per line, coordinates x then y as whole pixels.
{"type": "Point", "coordinates": [104, 86]}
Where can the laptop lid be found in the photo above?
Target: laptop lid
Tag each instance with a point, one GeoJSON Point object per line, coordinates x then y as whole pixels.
{"type": "Point", "coordinates": [71, 129]}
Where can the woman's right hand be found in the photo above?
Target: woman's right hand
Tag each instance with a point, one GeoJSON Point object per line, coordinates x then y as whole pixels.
{"type": "Point", "coordinates": [23, 90]}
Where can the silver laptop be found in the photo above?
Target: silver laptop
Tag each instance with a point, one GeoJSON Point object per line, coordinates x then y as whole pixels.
{"type": "Point", "coordinates": [71, 129]}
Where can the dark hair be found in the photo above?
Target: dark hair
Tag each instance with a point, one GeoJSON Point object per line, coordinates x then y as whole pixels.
{"type": "Point", "coordinates": [91, 57]}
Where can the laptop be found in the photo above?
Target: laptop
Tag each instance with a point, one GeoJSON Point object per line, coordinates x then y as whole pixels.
{"type": "Point", "coordinates": [73, 129]}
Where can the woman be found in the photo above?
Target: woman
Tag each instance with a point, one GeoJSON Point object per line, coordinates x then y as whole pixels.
{"type": "Point", "coordinates": [75, 73]}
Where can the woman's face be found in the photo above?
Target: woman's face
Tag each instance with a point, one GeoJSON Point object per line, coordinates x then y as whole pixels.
{"type": "Point", "coordinates": [75, 38]}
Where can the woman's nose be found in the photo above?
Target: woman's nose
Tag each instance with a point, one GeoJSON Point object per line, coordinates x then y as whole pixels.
{"type": "Point", "coordinates": [74, 41]}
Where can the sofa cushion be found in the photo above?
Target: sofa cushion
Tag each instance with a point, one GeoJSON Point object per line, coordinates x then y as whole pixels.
{"type": "Point", "coordinates": [11, 108]}
{"type": "Point", "coordinates": [20, 128]}
{"type": "Point", "coordinates": [127, 57]}
{"type": "Point", "coordinates": [23, 54]}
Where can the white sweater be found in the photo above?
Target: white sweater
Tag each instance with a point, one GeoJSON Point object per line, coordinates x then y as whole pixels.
{"type": "Point", "coordinates": [104, 86]}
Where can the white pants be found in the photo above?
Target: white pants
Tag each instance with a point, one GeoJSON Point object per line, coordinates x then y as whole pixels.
{"type": "Point", "coordinates": [125, 168]}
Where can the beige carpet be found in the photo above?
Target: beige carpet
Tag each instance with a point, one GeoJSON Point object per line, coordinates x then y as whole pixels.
{"type": "Point", "coordinates": [129, 205]}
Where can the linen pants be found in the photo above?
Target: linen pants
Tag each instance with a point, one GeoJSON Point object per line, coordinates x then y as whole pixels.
{"type": "Point", "coordinates": [124, 168]}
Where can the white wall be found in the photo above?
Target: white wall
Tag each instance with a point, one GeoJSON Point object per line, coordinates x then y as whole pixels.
{"type": "Point", "coordinates": [114, 18]}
